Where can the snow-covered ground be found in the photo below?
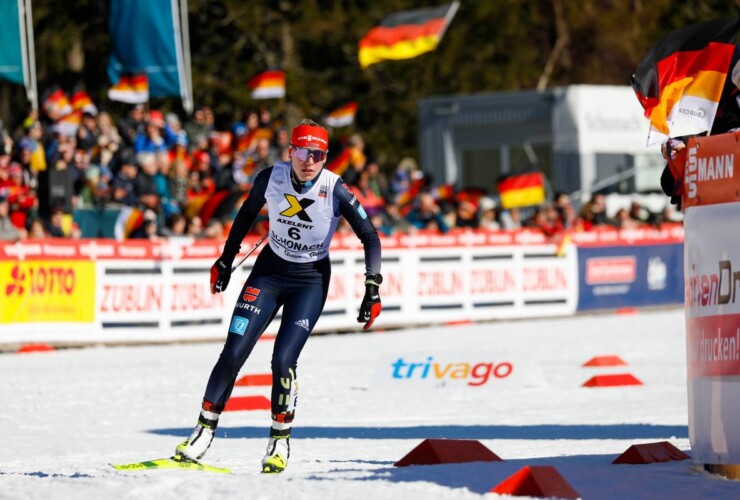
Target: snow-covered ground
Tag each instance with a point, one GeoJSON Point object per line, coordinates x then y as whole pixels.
{"type": "Point", "coordinates": [68, 414]}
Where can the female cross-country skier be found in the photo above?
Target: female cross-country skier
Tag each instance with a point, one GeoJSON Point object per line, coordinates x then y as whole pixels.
{"type": "Point", "coordinates": [304, 203]}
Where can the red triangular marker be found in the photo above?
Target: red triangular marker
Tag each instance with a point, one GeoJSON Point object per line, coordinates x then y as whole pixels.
{"type": "Point", "coordinates": [649, 453]}
{"type": "Point", "coordinates": [448, 451]}
{"type": "Point", "coordinates": [536, 481]}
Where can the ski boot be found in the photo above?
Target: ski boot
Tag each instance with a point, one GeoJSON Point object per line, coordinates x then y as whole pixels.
{"type": "Point", "coordinates": [278, 447]}
{"type": "Point", "coordinates": [196, 446]}
{"type": "Point", "coordinates": [276, 458]}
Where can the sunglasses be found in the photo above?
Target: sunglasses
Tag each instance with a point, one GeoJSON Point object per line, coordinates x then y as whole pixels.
{"type": "Point", "coordinates": [303, 154]}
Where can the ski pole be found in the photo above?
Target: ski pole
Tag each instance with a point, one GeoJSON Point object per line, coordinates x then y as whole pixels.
{"type": "Point", "coordinates": [259, 242]}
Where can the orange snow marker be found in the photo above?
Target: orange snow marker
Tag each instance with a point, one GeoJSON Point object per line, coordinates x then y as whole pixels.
{"type": "Point", "coordinates": [459, 322]}
{"type": "Point", "coordinates": [266, 338]}
{"type": "Point", "coordinates": [649, 453]}
{"type": "Point", "coordinates": [255, 379]}
{"type": "Point", "coordinates": [615, 380]}
{"type": "Point", "coordinates": [627, 311]}
{"type": "Point", "coordinates": [247, 403]}
{"type": "Point", "coordinates": [34, 348]}
{"type": "Point", "coordinates": [536, 481]}
{"type": "Point", "coordinates": [610, 360]}
{"type": "Point", "coordinates": [448, 451]}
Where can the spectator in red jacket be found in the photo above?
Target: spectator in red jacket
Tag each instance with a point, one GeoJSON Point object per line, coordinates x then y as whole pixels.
{"type": "Point", "coordinates": [5, 181]}
{"type": "Point", "coordinates": [546, 220]}
{"type": "Point", "coordinates": [371, 202]}
{"type": "Point", "coordinates": [22, 198]}
{"type": "Point", "coordinates": [8, 232]}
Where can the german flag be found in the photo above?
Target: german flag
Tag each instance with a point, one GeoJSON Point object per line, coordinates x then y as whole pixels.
{"type": "Point", "coordinates": [565, 239]}
{"type": "Point", "coordinates": [140, 84]}
{"type": "Point", "coordinates": [473, 195]}
{"type": "Point", "coordinates": [268, 85]}
{"type": "Point", "coordinates": [679, 82]}
{"type": "Point", "coordinates": [445, 192]}
{"type": "Point", "coordinates": [522, 190]}
{"type": "Point", "coordinates": [406, 199]}
{"type": "Point", "coordinates": [341, 162]}
{"type": "Point", "coordinates": [57, 104]}
{"type": "Point", "coordinates": [342, 116]}
{"type": "Point", "coordinates": [131, 89]}
{"type": "Point", "coordinates": [406, 34]}
{"type": "Point", "coordinates": [81, 101]}
{"type": "Point", "coordinates": [129, 220]}
{"type": "Point", "coordinates": [194, 203]}
{"type": "Point", "coordinates": [221, 204]}
{"type": "Point", "coordinates": [68, 124]}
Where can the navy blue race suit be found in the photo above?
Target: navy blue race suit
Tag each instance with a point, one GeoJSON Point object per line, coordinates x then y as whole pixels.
{"type": "Point", "coordinates": [300, 288]}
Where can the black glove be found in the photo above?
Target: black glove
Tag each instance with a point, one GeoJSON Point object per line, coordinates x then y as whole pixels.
{"type": "Point", "coordinates": [220, 274]}
{"type": "Point", "coordinates": [371, 306]}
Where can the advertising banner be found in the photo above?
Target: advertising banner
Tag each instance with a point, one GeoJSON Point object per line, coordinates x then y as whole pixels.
{"type": "Point", "coordinates": [47, 291]}
{"type": "Point", "coordinates": [709, 174]}
{"type": "Point", "coordinates": [712, 289]}
{"type": "Point", "coordinates": [489, 371]}
{"type": "Point", "coordinates": [140, 291]}
{"type": "Point", "coordinates": [630, 276]}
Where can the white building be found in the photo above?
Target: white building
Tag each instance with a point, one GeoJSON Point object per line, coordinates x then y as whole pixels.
{"type": "Point", "coordinates": [584, 137]}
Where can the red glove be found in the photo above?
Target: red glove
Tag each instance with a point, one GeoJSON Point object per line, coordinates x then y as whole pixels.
{"type": "Point", "coordinates": [371, 306]}
{"type": "Point", "coordinates": [220, 275]}
{"type": "Point", "coordinates": [674, 151]}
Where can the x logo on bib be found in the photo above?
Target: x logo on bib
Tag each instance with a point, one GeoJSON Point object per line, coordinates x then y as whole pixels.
{"type": "Point", "coordinates": [297, 208]}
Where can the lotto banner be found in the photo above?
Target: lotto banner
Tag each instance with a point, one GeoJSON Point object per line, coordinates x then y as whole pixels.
{"type": "Point", "coordinates": [47, 291]}
{"type": "Point", "coordinates": [711, 289]}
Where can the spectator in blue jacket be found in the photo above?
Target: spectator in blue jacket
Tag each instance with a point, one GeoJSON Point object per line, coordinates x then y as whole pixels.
{"type": "Point", "coordinates": [156, 137]}
{"type": "Point", "coordinates": [427, 214]}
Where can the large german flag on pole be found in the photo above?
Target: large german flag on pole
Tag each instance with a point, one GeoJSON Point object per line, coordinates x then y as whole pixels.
{"type": "Point", "coordinates": [680, 80]}
{"type": "Point", "coordinates": [406, 34]}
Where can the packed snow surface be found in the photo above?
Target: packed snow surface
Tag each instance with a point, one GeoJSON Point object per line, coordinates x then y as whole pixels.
{"type": "Point", "coordinates": [365, 401]}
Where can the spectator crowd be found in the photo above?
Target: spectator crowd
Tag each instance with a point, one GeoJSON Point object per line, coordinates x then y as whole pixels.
{"type": "Point", "coordinates": [186, 178]}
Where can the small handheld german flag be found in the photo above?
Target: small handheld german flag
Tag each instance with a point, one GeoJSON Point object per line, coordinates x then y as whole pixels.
{"type": "Point", "coordinates": [522, 190]}
{"type": "Point", "coordinates": [57, 104]}
{"type": "Point", "coordinates": [131, 89]}
{"type": "Point", "coordinates": [268, 85]}
{"type": "Point", "coordinates": [679, 82]}
{"type": "Point", "coordinates": [339, 163]}
{"type": "Point", "coordinates": [342, 116]}
{"type": "Point", "coordinates": [81, 101]}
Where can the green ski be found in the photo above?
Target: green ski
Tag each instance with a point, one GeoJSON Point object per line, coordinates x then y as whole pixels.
{"type": "Point", "coordinates": [176, 462]}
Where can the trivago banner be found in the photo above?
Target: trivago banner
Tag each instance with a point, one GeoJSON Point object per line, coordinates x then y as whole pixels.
{"type": "Point", "coordinates": [712, 289]}
{"type": "Point", "coordinates": [485, 371]}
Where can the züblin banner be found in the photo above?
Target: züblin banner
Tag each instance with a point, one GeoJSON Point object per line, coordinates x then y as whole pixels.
{"type": "Point", "coordinates": [11, 48]}
{"type": "Point", "coordinates": [145, 38]}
